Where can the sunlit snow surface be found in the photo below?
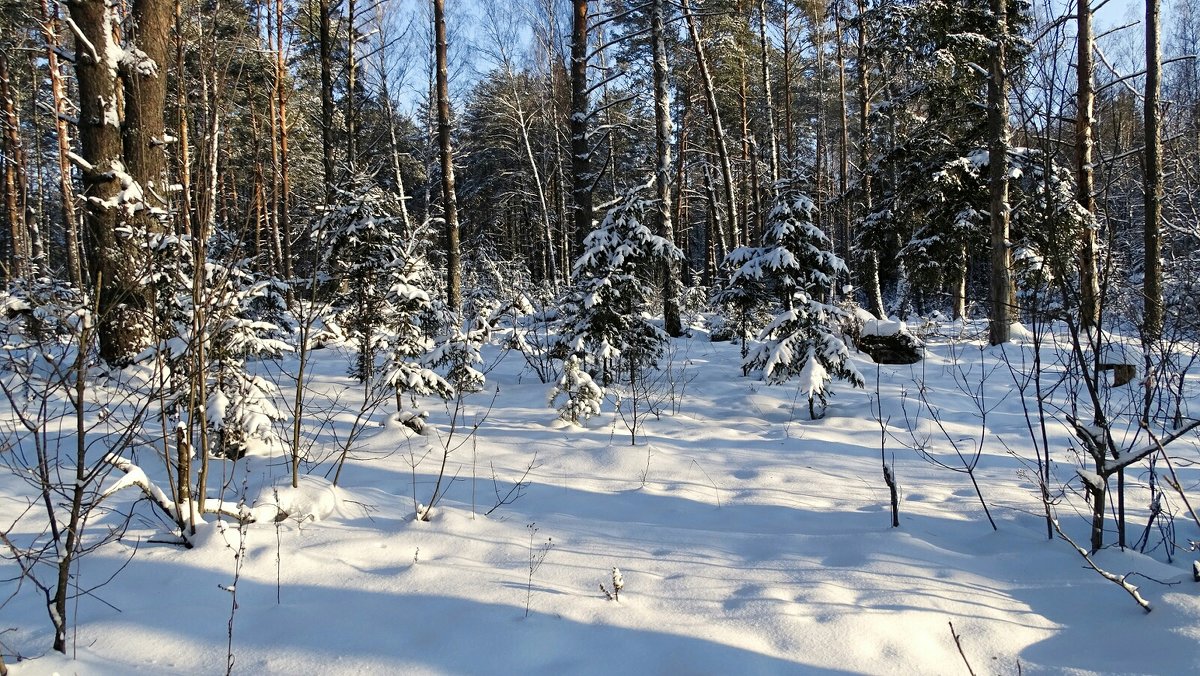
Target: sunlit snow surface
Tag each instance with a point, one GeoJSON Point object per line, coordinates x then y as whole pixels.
{"type": "Point", "coordinates": [751, 540]}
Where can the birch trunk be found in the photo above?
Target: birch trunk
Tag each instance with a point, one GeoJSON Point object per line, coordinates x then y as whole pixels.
{"type": "Point", "coordinates": [874, 292]}
{"type": "Point", "coordinates": [1089, 283]}
{"type": "Point", "coordinates": [662, 150]}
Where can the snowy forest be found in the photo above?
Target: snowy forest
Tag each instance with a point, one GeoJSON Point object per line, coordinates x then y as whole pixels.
{"type": "Point", "coordinates": [599, 336]}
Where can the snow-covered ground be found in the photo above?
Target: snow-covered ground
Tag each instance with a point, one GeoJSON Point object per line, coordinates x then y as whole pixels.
{"type": "Point", "coordinates": [751, 540]}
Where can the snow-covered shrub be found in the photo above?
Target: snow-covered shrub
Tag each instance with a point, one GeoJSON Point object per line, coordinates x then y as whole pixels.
{"type": "Point", "coordinates": [39, 312]}
{"type": "Point", "coordinates": [605, 317]}
{"type": "Point", "coordinates": [618, 583]}
{"type": "Point", "coordinates": [209, 326]}
{"type": "Point", "coordinates": [491, 280]}
{"type": "Point", "coordinates": [460, 349]}
{"type": "Point", "coordinates": [535, 320]}
{"type": "Point", "coordinates": [581, 395]}
{"type": "Point", "coordinates": [743, 297]}
{"type": "Point", "coordinates": [408, 371]}
{"type": "Point", "coordinates": [803, 340]}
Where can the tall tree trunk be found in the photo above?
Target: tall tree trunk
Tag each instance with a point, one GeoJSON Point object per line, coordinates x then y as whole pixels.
{"type": "Point", "coordinates": [765, 73]}
{"type": "Point", "coordinates": [874, 292]}
{"type": "Point", "coordinates": [112, 261]}
{"type": "Point", "coordinates": [789, 144]}
{"type": "Point", "coordinates": [351, 84]}
{"type": "Point", "coordinates": [581, 173]}
{"type": "Point", "coordinates": [822, 168]}
{"type": "Point", "coordinates": [1001, 315]}
{"type": "Point", "coordinates": [14, 176]}
{"type": "Point", "coordinates": [843, 140]}
{"type": "Point", "coordinates": [1152, 285]}
{"type": "Point", "coordinates": [662, 174]}
{"type": "Point", "coordinates": [63, 135]}
{"type": "Point", "coordinates": [144, 130]}
{"type": "Point", "coordinates": [1089, 278]}
{"type": "Point", "coordinates": [749, 162]}
{"type": "Point", "coordinates": [449, 200]}
{"type": "Point", "coordinates": [282, 235]}
{"type": "Point", "coordinates": [325, 39]}
{"type": "Point", "coordinates": [719, 139]}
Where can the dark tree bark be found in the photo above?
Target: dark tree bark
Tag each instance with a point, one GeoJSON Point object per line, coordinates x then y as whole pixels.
{"type": "Point", "coordinates": [325, 39]}
{"type": "Point", "coordinates": [1001, 315]}
{"type": "Point", "coordinates": [143, 132]}
{"type": "Point", "coordinates": [1152, 285]}
{"type": "Point", "coordinates": [843, 139]}
{"type": "Point", "coordinates": [449, 199]}
{"type": "Point", "coordinates": [581, 172]}
{"type": "Point", "coordinates": [112, 261]}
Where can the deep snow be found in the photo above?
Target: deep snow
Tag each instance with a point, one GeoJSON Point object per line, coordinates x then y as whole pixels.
{"type": "Point", "coordinates": [751, 539]}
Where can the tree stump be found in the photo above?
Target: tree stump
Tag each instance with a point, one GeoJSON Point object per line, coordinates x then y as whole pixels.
{"type": "Point", "coordinates": [898, 348]}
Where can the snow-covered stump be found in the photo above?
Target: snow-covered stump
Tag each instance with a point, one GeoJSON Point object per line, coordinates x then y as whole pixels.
{"type": "Point", "coordinates": [888, 342]}
{"type": "Point", "coordinates": [1123, 359]}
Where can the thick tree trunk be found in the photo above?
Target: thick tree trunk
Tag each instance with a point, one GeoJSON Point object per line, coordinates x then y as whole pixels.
{"type": "Point", "coordinates": [581, 172]}
{"type": "Point", "coordinates": [672, 322]}
{"type": "Point", "coordinates": [1089, 282]}
{"type": "Point", "coordinates": [449, 199]}
{"type": "Point", "coordinates": [1001, 315]}
{"type": "Point", "coordinates": [112, 262]}
{"type": "Point", "coordinates": [1152, 285]}
{"type": "Point", "coordinates": [144, 131]}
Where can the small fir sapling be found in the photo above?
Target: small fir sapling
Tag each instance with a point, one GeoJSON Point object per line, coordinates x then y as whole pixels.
{"type": "Point", "coordinates": [618, 583]}
{"type": "Point", "coordinates": [742, 298]}
{"type": "Point", "coordinates": [411, 347]}
{"type": "Point", "coordinates": [364, 259]}
{"type": "Point", "coordinates": [605, 316]}
{"type": "Point", "coordinates": [461, 349]}
{"type": "Point", "coordinates": [803, 339]}
{"type": "Point", "coordinates": [583, 396]}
